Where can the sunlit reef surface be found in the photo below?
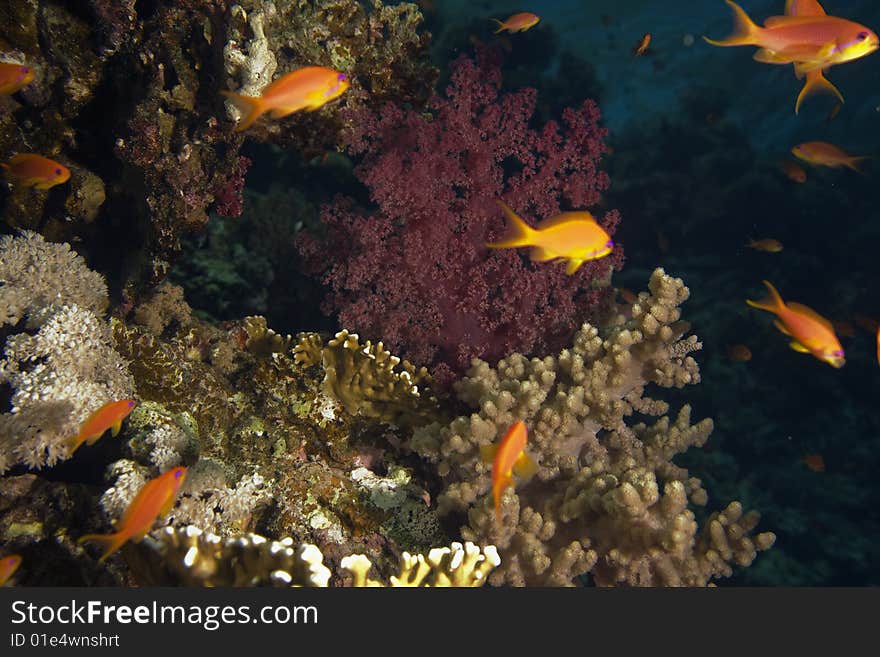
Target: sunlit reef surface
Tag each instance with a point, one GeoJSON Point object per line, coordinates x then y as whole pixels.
{"type": "Point", "coordinates": [295, 307]}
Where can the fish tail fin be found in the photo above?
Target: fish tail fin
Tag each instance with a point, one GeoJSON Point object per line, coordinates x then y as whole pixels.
{"type": "Point", "coordinates": [501, 26]}
{"type": "Point", "coordinates": [853, 163]}
{"type": "Point", "coordinates": [111, 542]}
{"type": "Point", "coordinates": [772, 303]}
{"type": "Point", "coordinates": [745, 31]}
{"type": "Point", "coordinates": [251, 107]}
{"type": "Point", "coordinates": [816, 83]}
{"type": "Point", "coordinates": [520, 233]}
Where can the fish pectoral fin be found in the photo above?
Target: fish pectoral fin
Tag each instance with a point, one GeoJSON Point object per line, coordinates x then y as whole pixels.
{"type": "Point", "coordinates": [573, 266]}
{"type": "Point", "coordinates": [797, 346]}
{"type": "Point", "coordinates": [781, 326]}
{"type": "Point", "coordinates": [487, 453]}
{"type": "Point", "coordinates": [541, 254]}
{"type": "Point", "coordinates": [278, 112]}
{"type": "Point", "coordinates": [524, 467]}
{"type": "Point", "coordinates": [115, 428]}
{"type": "Point", "coordinates": [167, 506]}
{"type": "Point", "coordinates": [766, 56]}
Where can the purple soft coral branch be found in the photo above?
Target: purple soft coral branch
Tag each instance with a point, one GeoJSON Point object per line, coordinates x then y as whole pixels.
{"type": "Point", "coordinates": [415, 272]}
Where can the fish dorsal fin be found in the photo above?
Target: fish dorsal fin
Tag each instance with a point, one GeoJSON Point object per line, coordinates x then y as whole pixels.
{"type": "Point", "coordinates": [799, 19]}
{"type": "Point", "coordinates": [564, 218]}
{"type": "Point", "coordinates": [801, 309]}
{"type": "Point", "coordinates": [803, 8]}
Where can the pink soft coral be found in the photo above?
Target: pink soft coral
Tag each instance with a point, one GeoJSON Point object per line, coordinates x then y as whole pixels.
{"type": "Point", "coordinates": [415, 272]}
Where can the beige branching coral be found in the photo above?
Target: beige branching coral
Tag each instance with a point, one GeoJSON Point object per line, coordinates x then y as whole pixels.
{"type": "Point", "coordinates": [607, 498]}
{"type": "Point", "coordinates": [192, 557]}
{"type": "Point", "coordinates": [365, 378]}
{"type": "Point", "coordinates": [67, 367]}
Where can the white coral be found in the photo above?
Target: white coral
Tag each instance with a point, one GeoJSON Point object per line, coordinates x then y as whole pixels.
{"type": "Point", "coordinates": [59, 376]}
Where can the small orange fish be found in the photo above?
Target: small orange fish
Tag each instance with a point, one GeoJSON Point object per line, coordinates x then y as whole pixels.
{"type": "Point", "coordinates": [507, 458]}
{"type": "Point", "coordinates": [109, 416]}
{"type": "Point", "coordinates": [13, 77]}
{"type": "Point", "coordinates": [30, 170]}
{"type": "Point", "coordinates": [627, 295]}
{"type": "Point", "coordinates": [878, 346]}
{"type": "Point", "coordinates": [155, 499]}
{"type": "Point", "coordinates": [821, 153]}
{"type": "Point", "coordinates": [810, 332]}
{"type": "Point", "coordinates": [814, 462]}
{"type": "Point", "coordinates": [8, 565]}
{"type": "Point", "coordinates": [739, 353]}
{"type": "Point", "coordinates": [810, 42]}
{"type": "Point", "coordinates": [571, 236]}
{"type": "Point", "coordinates": [815, 82]}
{"type": "Point", "coordinates": [642, 46]}
{"type": "Point", "coordinates": [793, 170]}
{"type": "Point", "coordinates": [768, 245]}
{"type": "Point", "coordinates": [307, 88]}
{"type": "Point", "coordinates": [518, 22]}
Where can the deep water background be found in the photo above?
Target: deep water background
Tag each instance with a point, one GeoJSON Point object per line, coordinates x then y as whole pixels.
{"type": "Point", "coordinates": [697, 134]}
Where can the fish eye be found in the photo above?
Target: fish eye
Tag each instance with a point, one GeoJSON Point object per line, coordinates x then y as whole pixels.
{"type": "Point", "coordinates": [178, 474]}
{"type": "Point", "coordinates": [343, 77]}
{"type": "Point", "coordinates": [57, 172]}
{"type": "Point", "coordinates": [610, 244]}
{"type": "Point", "coordinates": [861, 36]}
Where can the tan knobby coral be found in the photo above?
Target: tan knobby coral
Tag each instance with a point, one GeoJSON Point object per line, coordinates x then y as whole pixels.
{"type": "Point", "coordinates": [607, 498]}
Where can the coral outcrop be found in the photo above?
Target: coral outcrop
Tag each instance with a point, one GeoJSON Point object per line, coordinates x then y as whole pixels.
{"type": "Point", "coordinates": [58, 359]}
{"type": "Point", "coordinates": [607, 500]}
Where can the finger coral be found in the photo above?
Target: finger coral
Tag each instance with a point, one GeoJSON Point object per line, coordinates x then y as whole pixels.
{"type": "Point", "coordinates": [608, 499]}
{"type": "Point", "coordinates": [416, 271]}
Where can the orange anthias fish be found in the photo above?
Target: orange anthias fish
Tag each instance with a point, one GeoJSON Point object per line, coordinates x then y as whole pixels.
{"type": "Point", "coordinates": [155, 499]}
{"type": "Point", "coordinates": [809, 42]}
{"type": "Point", "coordinates": [518, 22]}
{"type": "Point", "coordinates": [8, 565]}
{"type": "Point", "coordinates": [878, 346]}
{"type": "Point", "coordinates": [13, 77]}
{"type": "Point", "coordinates": [739, 353]}
{"type": "Point", "coordinates": [507, 458]}
{"type": "Point", "coordinates": [306, 88]}
{"type": "Point", "coordinates": [814, 462]}
{"type": "Point", "coordinates": [109, 416]}
{"type": "Point", "coordinates": [821, 153]}
{"type": "Point", "coordinates": [768, 245]}
{"type": "Point", "coordinates": [793, 171]}
{"type": "Point", "coordinates": [642, 46]}
{"type": "Point", "coordinates": [30, 170]}
{"type": "Point", "coordinates": [815, 82]}
{"type": "Point", "coordinates": [810, 332]}
{"type": "Point", "coordinates": [572, 236]}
